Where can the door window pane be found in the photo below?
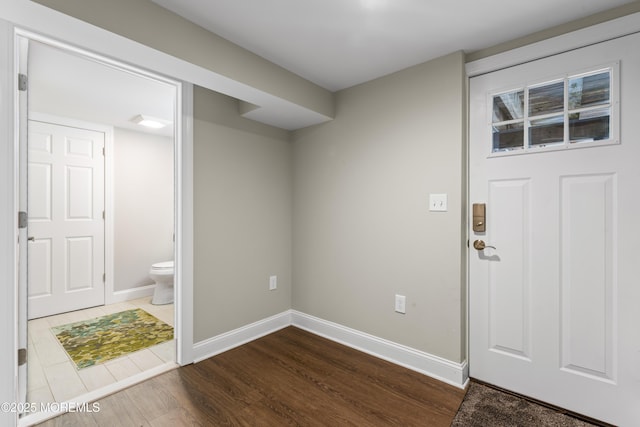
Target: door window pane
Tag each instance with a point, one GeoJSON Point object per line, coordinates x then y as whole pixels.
{"type": "Point", "coordinates": [546, 131]}
{"type": "Point", "coordinates": [508, 106]}
{"type": "Point", "coordinates": [586, 91]}
{"type": "Point", "coordinates": [557, 114]}
{"type": "Point", "coordinates": [590, 125]}
{"type": "Point", "coordinates": [508, 137]}
{"type": "Point", "coordinates": [546, 99]}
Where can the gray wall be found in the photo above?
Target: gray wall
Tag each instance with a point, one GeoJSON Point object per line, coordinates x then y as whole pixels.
{"type": "Point", "coordinates": [143, 205]}
{"type": "Point", "coordinates": [242, 217]}
{"type": "Point", "coordinates": [362, 229]}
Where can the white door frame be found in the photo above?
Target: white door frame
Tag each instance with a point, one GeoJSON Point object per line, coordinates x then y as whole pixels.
{"type": "Point", "coordinates": [103, 43]}
{"type": "Point", "coordinates": [609, 30]}
{"type": "Point", "coordinates": [179, 145]}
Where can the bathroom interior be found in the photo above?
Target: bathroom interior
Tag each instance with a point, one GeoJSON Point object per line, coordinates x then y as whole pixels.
{"type": "Point", "coordinates": [67, 89]}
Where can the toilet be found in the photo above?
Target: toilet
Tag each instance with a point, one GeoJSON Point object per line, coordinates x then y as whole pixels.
{"type": "Point", "coordinates": [162, 274]}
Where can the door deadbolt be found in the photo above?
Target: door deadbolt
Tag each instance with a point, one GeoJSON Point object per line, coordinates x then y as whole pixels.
{"type": "Point", "coordinates": [479, 217]}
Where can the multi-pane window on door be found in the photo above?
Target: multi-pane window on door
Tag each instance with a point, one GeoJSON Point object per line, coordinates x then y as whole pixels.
{"type": "Point", "coordinates": [561, 113]}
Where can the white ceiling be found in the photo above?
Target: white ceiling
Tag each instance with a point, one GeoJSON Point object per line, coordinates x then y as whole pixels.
{"type": "Point", "coordinates": [64, 84]}
{"type": "Point", "coordinates": [340, 43]}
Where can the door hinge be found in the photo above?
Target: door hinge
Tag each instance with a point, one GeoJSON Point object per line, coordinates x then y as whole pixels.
{"type": "Point", "coordinates": [103, 152]}
{"type": "Point", "coordinates": [22, 356]}
{"type": "Point", "coordinates": [104, 277]}
{"type": "Point", "coordinates": [103, 215]}
{"type": "Point", "coordinates": [23, 82]}
{"type": "Point", "coordinates": [23, 219]}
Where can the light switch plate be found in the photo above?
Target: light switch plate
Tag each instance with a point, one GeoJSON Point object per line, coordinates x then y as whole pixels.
{"type": "Point", "coordinates": [401, 304]}
{"type": "Point", "coordinates": [438, 202]}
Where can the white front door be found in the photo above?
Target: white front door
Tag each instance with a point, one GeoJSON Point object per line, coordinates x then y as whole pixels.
{"type": "Point", "coordinates": [555, 157]}
{"type": "Point", "coordinates": [66, 224]}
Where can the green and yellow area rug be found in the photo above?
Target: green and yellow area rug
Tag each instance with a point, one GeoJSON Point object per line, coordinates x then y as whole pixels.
{"type": "Point", "coordinates": [95, 341]}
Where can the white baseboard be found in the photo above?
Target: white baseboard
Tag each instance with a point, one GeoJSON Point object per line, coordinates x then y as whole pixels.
{"type": "Point", "coordinates": [223, 342]}
{"type": "Point", "coordinates": [129, 294]}
{"type": "Point", "coordinates": [456, 374]}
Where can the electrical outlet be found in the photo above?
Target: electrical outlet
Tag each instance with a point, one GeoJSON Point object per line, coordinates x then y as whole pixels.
{"type": "Point", "coordinates": [401, 304]}
{"type": "Point", "coordinates": [273, 283]}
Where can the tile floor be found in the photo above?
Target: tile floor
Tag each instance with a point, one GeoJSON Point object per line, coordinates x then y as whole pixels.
{"type": "Point", "coordinates": [53, 377]}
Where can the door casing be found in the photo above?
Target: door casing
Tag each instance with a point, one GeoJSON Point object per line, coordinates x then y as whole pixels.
{"type": "Point", "coordinates": [609, 30]}
{"type": "Point", "coordinates": [183, 160]}
{"type": "Point", "coordinates": [470, 201]}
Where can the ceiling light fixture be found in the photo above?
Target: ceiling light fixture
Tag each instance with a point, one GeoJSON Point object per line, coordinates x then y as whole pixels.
{"type": "Point", "coordinates": [150, 122]}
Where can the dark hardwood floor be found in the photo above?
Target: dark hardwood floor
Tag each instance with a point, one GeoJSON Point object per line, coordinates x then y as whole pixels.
{"type": "Point", "coordinates": [290, 377]}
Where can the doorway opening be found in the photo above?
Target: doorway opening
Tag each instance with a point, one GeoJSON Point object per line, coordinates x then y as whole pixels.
{"type": "Point", "coordinates": [139, 210]}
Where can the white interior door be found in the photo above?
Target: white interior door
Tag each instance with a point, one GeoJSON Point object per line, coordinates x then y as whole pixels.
{"type": "Point", "coordinates": [555, 307]}
{"type": "Point", "coordinates": [66, 224]}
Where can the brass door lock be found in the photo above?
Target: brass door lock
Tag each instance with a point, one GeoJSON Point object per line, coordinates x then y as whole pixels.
{"type": "Point", "coordinates": [479, 217]}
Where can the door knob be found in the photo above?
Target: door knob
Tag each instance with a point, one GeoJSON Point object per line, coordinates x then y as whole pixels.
{"type": "Point", "coordinates": [480, 245]}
